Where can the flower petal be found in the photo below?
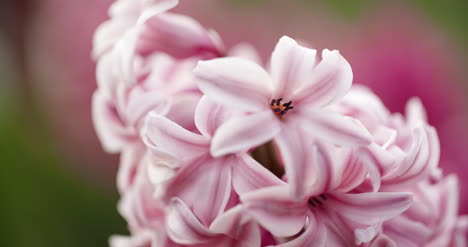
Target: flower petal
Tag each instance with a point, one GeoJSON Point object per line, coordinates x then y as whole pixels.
{"type": "Point", "coordinates": [327, 82]}
{"type": "Point", "coordinates": [236, 82]}
{"type": "Point", "coordinates": [204, 185]}
{"type": "Point", "coordinates": [183, 110]}
{"type": "Point", "coordinates": [110, 128]}
{"type": "Point", "coordinates": [244, 133]}
{"type": "Point", "coordinates": [311, 168]}
{"type": "Point", "coordinates": [209, 116]}
{"type": "Point", "coordinates": [409, 232]}
{"type": "Point", "coordinates": [177, 35]}
{"type": "Point", "coordinates": [335, 128]}
{"type": "Point", "coordinates": [130, 159]}
{"type": "Point", "coordinates": [275, 209]}
{"type": "Point", "coordinates": [163, 134]}
{"type": "Point", "coordinates": [249, 175]}
{"type": "Point", "coordinates": [140, 105]}
{"type": "Point", "coordinates": [156, 9]}
{"type": "Point", "coordinates": [370, 208]}
{"type": "Point", "coordinates": [245, 51]}
{"type": "Point", "coordinates": [183, 226]}
{"type": "Point", "coordinates": [290, 65]}
{"type": "Point", "coordinates": [140, 239]}
{"type": "Point", "coordinates": [315, 235]}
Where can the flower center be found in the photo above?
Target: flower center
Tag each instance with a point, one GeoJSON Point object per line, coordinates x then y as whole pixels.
{"type": "Point", "coordinates": [317, 201]}
{"type": "Point", "coordinates": [280, 109]}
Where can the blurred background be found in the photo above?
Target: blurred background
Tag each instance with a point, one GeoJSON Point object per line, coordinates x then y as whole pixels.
{"type": "Point", "coordinates": [57, 186]}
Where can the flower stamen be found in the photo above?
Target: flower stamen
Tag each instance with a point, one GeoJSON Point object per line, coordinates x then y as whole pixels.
{"type": "Point", "coordinates": [280, 109]}
{"type": "Point", "coordinates": [315, 200]}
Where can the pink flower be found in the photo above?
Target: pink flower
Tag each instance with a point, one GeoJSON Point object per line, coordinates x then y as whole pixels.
{"type": "Point", "coordinates": [404, 150]}
{"type": "Point", "coordinates": [119, 109]}
{"type": "Point", "coordinates": [326, 206]}
{"type": "Point", "coordinates": [231, 229]}
{"type": "Point", "coordinates": [432, 220]}
{"type": "Point", "coordinates": [184, 168]}
{"type": "Point", "coordinates": [124, 15]}
{"type": "Point", "coordinates": [297, 91]}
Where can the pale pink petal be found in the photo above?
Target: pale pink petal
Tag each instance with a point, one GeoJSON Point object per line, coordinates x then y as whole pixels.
{"type": "Point", "coordinates": [108, 33]}
{"type": "Point", "coordinates": [204, 185]}
{"type": "Point", "coordinates": [107, 77]}
{"type": "Point", "coordinates": [291, 64]}
{"type": "Point", "coordinates": [177, 35]}
{"type": "Point", "coordinates": [209, 115]}
{"type": "Point", "coordinates": [130, 160]}
{"type": "Point", "coordinates": [421, 161]}
{"type": "Point", "coordinates": [315, 235]}
{"type": "Point", "coordinates": [230, 222]}
{"type": "Point", "coordinates": [335, 128]}
{"type": "Point", "coordinates": [309, 169]}
{"type": "Point", "coordinates": [141, 239]}
{"type": "Point", "coordinates": [370, 208]}
{"type": "Point", "coordinates": [249, 175]}
{"type": "Point", "coordinates": [126, 57]}
{"type": "Point", "coordinates": [159, 7]}
{"type": "Point", "coordinates": [276, 210]}
{"type": "Point", "coordinates": [236, 82]}
{"type": "Point", "coordinates": [404, 230]}
{"type": "Point", "coordinates": [383, 241]}
{"type": "Point", "coordinates": [354, 173]}
{"type": "Point", "coordinates": [183, 110]}
{"type": "Point", "coordinates": [245, 51]}
{"type": "Point", "coordinates": [138, 107]}
{"type": "Point", "coordinates": [244, 133]}
{"type": "Point", "coordinates": [249, 236]}
{"type": "Point", "coordinates": [161, 133]}
{"type": "Point", "coordinates": [110, 128]}
{"type": "Point", "coordinates": [183, 226]}
{"type": "Point", "coordinates": [415, 113]}
{"type": "Point", "coordinates": [327, 82]}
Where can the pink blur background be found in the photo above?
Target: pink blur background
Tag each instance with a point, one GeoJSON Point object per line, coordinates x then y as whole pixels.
{"type": "Point", "coordinates": [400, 50]}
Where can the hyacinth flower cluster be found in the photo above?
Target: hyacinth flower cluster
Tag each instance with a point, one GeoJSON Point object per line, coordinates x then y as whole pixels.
{"type": "Point", "coordinates": [219, 149]}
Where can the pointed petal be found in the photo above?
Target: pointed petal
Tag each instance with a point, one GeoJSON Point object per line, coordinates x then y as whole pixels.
{"type": "Point", "coordinates": [310, 168]}
{"type": "Point", "coordinates": [156, 9]}
{"type": "Point", "coordinates": [371, 208]}
{"type": "Point", "coordinates": [107, 34]}
{"type": "Point", "coordinates": [274, 209]}
{"type": "Point", "coordinates": [404, 230]}
{"type": "Point", "coordinates": [204, 185]}
{"type": "Point", "coordinates": [415, 112]}
{"type": "Point", "coordinates": [130, 159]}
{"type": "Point", "coordinates": [236, 224]}
{"type": "Point", "coordinates": [315, 235]}
{"type": "Point", "coordinates": [244, 133]}
{"type": "Point", "coordinates": [110, 128]}
{"type": "Point", "coordinates": [183, 110]}
{"type": "Point", "coordinates": [140, 239]}
{"type": "Point", "coordinates": [249, 236]}
{"type": "Point", "coordinates": [139, 106]}
{"type": "Point", "coordinates": [163, 134]}
{"type": "Point", "coordinates": [236, 82]}
{"type": "Point", "coordinates": [335, 128]}
{"type": "Point", "coordinates": [327, 82]}
{"type": "Point", "coordinates": [290, 65]}
{"type": "Point", "coordinates": [230, 221]}
{"type": "Point", "coordinates": [183, 226]}
{"type": "Point", "coordinates": [177, 35]}
{"type": "Point", "coordinates": [249, 175]}
{"type": "Point", "coordinates": [209, 116]}
{"type": "Point", "coordinates": [245, 51]}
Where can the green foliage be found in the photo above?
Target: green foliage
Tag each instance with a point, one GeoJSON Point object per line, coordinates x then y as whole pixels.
{"type": "Point", "coordinates": [41, 205]}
